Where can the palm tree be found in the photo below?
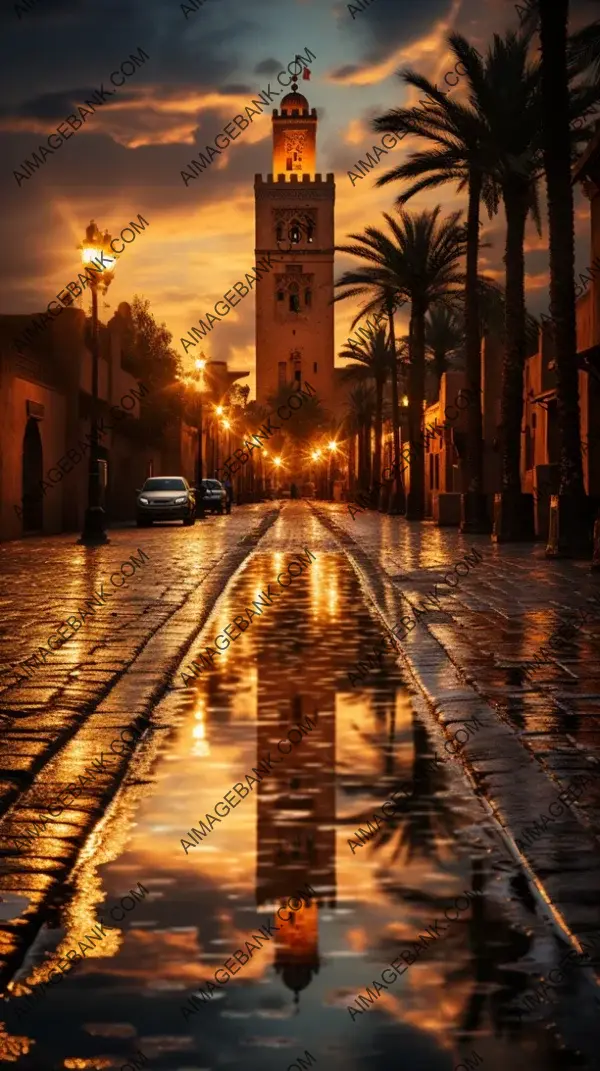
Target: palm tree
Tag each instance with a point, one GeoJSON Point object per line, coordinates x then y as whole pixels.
{"type": "Point", "coordinates": [443, 337]}
{"type": "Point", "coordinates": [361, 406]}
{"type": "Point", "coordinates": [460, 153]}
{"type": "Point", "coordinates": [561, 60]}
{"type": "Point", "coordinates": [373, 356]}
{"type": "Point", "coordinates": [382, 283]}
{"type": "Point", "coordinates": [557, 165]}
{"type": "Point", "coordinates": [508, 103]}
{"type": "Point", "coordinates": [418, 261]}
{"type": "Point", "coordinates": [584, 49]}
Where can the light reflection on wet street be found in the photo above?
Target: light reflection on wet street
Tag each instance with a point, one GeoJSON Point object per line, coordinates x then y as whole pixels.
{"type": "Point", "coordinates": [293, 829]}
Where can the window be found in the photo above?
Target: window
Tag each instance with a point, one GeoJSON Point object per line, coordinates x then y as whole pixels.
{"type": "Point", "coordinates": [280, 295]}
{"type": "Point", "coordinates": [309, 232]}
{"type": "Point", "coordinates": [308, 298]}
{"type": "Point", "coordinates": [298, 377]}
{"type": "Point", "coordinates": [294, 299]}
{"type": "Point", "coordinates": [294, 233]}
{"type": "Point", "coordinates": [314, 366]}
{"type": "Point", "coordinates": [282, 375]}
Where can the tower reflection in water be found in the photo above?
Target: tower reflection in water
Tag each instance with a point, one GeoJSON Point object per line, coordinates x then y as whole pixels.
{"type": "Point", "coordinates": [296, 816]}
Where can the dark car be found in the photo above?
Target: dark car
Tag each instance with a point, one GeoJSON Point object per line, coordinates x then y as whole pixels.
{"type": "Point", "coordinates": [165, 498]}
{"type": "Point", "coordinates": [214, 498]}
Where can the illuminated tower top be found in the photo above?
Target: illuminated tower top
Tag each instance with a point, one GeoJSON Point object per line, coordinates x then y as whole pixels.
{"type": "Point", "coordinates": [294, 136]}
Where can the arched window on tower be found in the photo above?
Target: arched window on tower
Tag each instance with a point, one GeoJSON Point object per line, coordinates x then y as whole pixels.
{"type": "Point", "coordinates": [295, 233]}
{"type": "Point", "coordinates": [308, 298]}
{"type": "Point", "coordinates": [294, 298]}
{"type": "Point", "coordinates": [309, 229]}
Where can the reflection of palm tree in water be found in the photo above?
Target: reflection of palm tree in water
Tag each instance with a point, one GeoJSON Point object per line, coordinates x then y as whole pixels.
{"type": "Point", "coordinates": [423, 822]}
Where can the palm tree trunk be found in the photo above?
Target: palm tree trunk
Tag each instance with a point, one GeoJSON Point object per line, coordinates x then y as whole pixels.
{"type": "Point", "coordinates": [368, 454]}
{"type": "Point", "coordinates": [515, 346]}
{"type": "Point", "coordinates": [474, 510]}
{"type": "Point", "coordinates": [415, 503]}
{"type": "Point", "coordinates": [557, 163]}
{"type": "Point", "coordinates": [397, 497]}
{"type": "Point", "coordinates": [362, 469]}
{"type": "Point", "coordinates": [351, 464]}
{"type": "Point", "coordinates": [378, 435]}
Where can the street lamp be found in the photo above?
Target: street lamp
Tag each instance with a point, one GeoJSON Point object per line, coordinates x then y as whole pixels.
{"type": "Point", "coordinates": [97, 255]}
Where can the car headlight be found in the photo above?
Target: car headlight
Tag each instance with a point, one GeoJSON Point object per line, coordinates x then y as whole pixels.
{"type": "Point", "coordinates": [144, 501]}
{"type": "Point", "coordinates": [178, 501]}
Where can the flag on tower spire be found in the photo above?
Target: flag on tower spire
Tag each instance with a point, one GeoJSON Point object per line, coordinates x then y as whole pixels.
{"type": "Point", "coordinates": [306, 74]}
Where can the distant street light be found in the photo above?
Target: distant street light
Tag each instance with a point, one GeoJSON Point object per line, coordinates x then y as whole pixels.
{"type": "Point", "coordinates": [95, 250]}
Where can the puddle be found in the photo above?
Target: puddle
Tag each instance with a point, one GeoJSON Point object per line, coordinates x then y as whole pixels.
{"type": "Point", "coordinates": [290, 830]}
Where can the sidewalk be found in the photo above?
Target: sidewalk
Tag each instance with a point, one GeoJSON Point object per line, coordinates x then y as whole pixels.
{"type": "Point", "coordinates": [113, 671]}
{"type": "Point", "coordinates": [542, 732]}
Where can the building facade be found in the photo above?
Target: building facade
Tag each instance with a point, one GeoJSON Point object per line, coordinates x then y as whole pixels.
{"type": "Point", "coordinates": [45, 411]}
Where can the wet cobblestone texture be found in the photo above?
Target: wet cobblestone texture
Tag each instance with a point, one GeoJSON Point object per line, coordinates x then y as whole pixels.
{"type": "Point", "coordinates": [115, 669]}
{"type": "Point", "coordinates": [463, 823]}
{"type": "Point", "coordinates": [542, 731]}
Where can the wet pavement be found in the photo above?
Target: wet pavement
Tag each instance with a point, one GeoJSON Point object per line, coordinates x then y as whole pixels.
{"type": "Point", "coordinates": [452, 861]}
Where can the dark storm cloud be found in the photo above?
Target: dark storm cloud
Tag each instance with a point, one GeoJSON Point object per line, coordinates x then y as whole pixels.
{"type": "Point", "coordinates": [269, 66]}
{"type": "Point", "coordinates": [95, 42]}
{"type": "Point", "coordinates": [388, 25]}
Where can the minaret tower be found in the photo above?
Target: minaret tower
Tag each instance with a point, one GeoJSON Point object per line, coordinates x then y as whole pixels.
{"type": "Point", "coordinates": [295, 225]}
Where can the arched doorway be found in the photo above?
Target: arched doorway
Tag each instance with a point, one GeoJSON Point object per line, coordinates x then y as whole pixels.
{"type": "Point", "coordinates": [33, 503]}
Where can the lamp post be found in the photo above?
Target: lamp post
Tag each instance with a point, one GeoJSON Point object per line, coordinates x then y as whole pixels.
{"type": "Point", "coordinates": [196, 381]}
{"type": "Point", "coordinates": [332, 447]}
{"type": "Point", "coordinates": [99, 262]}
{"type": "Point", "coordinates": [200, 366]}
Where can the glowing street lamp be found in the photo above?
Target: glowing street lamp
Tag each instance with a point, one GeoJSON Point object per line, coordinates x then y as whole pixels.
{"type": "Point", "coordinates": [99, 261]}
{"type": "Point", "coordinates": [277, 462]}
{"type": "Point", "coordinates": [404, 400]}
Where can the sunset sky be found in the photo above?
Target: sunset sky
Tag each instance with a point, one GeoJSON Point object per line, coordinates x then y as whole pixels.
{"type": "Point", "coordinates": [202, 71]}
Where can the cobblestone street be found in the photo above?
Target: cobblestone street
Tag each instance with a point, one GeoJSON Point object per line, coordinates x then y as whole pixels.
{"type": "Point", "coordinates": [517, 796]}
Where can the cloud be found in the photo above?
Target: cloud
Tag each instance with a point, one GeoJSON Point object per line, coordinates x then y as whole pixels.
{"type": "Point", "coordinates": [269, 66]}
